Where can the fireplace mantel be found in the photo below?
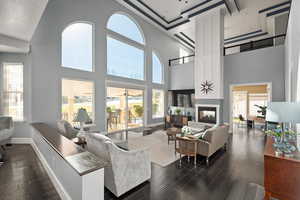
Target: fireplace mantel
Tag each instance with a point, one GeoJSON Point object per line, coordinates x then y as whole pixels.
{"type": "Point", "coordinates": [208, 105]}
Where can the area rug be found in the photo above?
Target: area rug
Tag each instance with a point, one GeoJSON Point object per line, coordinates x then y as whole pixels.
{"type": "Point", "coordinates": [161, 152]}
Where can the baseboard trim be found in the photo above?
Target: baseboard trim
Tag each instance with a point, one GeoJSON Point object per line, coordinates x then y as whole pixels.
{"type": "Point", "coordinates": [21, 140]}
{"type": "Point", "coordinates": [58, 186]}
{"type": "Point", "coordinates": [156, 124]}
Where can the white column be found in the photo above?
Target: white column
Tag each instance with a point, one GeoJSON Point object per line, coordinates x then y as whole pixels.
{"type": "Point", "coordinates": [209, 59]}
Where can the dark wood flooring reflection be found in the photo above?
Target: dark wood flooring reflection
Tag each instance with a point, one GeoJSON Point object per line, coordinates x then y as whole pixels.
{"type": "Point", "coordinates": [23, 177]}
{"type": "Point", "coordinates": [241, 164]}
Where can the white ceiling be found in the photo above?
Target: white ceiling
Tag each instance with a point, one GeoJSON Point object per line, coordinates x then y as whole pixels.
{"type": "Point", "coordinates": [244, 18]}
{"type": "Point", "coordinates": [19, 19]}
{"type": "Point", "coordinates": [171, 9]}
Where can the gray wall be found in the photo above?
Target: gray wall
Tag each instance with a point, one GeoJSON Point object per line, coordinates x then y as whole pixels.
{"type": "Point", "coordinates": [182, 76]}
{"type": "Point", "coordinates": [47, 72]}
{"type": "Point", "coordinates": [262, 65]}
{"type": "Point", "coordinates": [22, 129]}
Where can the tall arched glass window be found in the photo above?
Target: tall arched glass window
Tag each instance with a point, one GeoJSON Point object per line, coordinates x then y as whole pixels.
{"type": "Point", "coordinates": [77, 46]}
{"type": "Point", "coordinates": [157, 69]}
{"type": "Point", "coordinates": [125, 48]}
{"type": "Point", "coordinates": [123, 25]}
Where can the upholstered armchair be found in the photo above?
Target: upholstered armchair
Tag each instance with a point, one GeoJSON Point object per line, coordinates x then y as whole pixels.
{"type": "Point", "coordinates": [127, 169]}
{"type": "Point", "coordinates": [6, 131]}
{"type": "Point", "coordinates": [66, 129]}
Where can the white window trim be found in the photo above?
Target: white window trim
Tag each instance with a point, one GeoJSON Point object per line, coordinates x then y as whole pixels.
{"type": "Point", "coordinates": [163, 68]}
{"type": "Point", "coordinates": [93, 46]}
{"type": "Point", "coordinates": [2, 87]}
{"type": "Point", "coordinates": [164, 103]}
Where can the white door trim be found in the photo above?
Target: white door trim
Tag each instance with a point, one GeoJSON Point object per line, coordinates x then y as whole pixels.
{"type": "Point", "coordinates": [269, 89]}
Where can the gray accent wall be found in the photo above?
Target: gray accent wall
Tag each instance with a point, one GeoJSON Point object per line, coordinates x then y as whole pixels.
{"type": "Point", "coordinates": [258, 66]}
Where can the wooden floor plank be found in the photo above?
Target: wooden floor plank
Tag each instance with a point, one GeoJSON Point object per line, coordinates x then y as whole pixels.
{"type": "Point", "coordinates": [23, 176]}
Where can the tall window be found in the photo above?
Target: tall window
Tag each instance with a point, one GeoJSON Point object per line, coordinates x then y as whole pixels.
{"type": "Point", "coordinates": [13, 91]}
{"type": "Point", "coordinates": [158, 103]}
{"type": "Point", "coordinates": [77, 46]}
{"type": "Point", "coordinates": [75, 95]}
{"type": "Point", "coordinates": [157, 69]}
{"type": "Point", "coordinates": [123, 25]}
{"type": "Point", "coordinates": [125, 48]}
{"type": "Point", "coordinates": [124, 60]}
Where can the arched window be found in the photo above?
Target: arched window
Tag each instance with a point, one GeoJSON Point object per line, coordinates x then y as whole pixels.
{"type": "Point", "coordinates": [125, 48]}
{"type": "Point", "coordinates": [157, 69]}
{"type": "Point", "coordinates": [77, 46]}
{"type": "Point", "coordinates": [123, 25]}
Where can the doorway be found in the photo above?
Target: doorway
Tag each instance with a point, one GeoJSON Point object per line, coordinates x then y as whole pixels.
{"type": "Point", "coordinates": [247, 104]}
{"type": "Point", "coordinates": [124, 109]}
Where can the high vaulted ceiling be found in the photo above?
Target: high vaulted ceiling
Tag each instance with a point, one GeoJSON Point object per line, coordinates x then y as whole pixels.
{"type": "Point", "coordinates": [18, 21]}
{"type": "Point", "coordinates": [243, 18]}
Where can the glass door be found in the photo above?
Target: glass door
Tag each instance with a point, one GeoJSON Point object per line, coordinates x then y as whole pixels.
{"type": "Point", "coordinates": [135, 100]}
{"type": "Point", "coordinates": [124, 109]}
{"type": "Point", "coordinates": [116, 109]}
{"type": "Point", "coordinates": [240, 105]}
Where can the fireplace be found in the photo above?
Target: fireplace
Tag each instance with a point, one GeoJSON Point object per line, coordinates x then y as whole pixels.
{"type": "Point", "coordinates": [208, 114]}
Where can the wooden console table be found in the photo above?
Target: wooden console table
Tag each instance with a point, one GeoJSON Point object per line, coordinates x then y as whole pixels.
{"type": "Point", "coordinates": [282, 174]}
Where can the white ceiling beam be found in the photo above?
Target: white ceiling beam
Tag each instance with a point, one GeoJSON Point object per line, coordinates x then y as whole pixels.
{"type": "Point", "coordinates": [20, 45]}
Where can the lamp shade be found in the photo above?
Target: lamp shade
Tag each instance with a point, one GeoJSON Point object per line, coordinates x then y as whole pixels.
{"type": "Point", "coordinates": [82, 116]}
{"type": "Point", "coordinates": [283, 112]}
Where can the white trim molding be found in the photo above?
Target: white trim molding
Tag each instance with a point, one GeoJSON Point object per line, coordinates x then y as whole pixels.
{"type": "Point", "coordinates": [21, 141]}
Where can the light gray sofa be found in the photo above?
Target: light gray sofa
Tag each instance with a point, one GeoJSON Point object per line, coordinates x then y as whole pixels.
{"type": "Point", "coordinates": [213, 139]}
{"type": "Point", "coordinates": [6, 132]}
{"type": "Point", "coordinates": [127, 169]}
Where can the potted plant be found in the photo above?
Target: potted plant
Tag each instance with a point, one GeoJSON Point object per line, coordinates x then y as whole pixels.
{"type": "Point", "coordinates": [178, 111]}
{"type": "Point", "coordinates": [138, 110]}
{"type": "Point", "coordinates": [262, 111]}
{"type": "Point", "coordinates": [281, 139]}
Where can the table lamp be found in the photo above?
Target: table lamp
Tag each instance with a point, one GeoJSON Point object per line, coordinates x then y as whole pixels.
{"type": "Point", "coordinates": [82, 117]}
{"type": "Point", "coordinates": [283, 112]}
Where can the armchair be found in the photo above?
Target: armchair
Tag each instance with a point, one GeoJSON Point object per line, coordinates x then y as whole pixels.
{"type": "Point", "coordinates": [6, 131]}
{"type": "Point", "coordinates": [66, 129]}
{"type": "Point", "coordinates": [127, 169]}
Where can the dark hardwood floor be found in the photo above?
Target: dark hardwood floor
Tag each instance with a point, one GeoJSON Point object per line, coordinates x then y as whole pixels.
{"type": "Point", "coordinates": [23, 177]}
{"type": "Point", "coordinates": [241, 164]}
